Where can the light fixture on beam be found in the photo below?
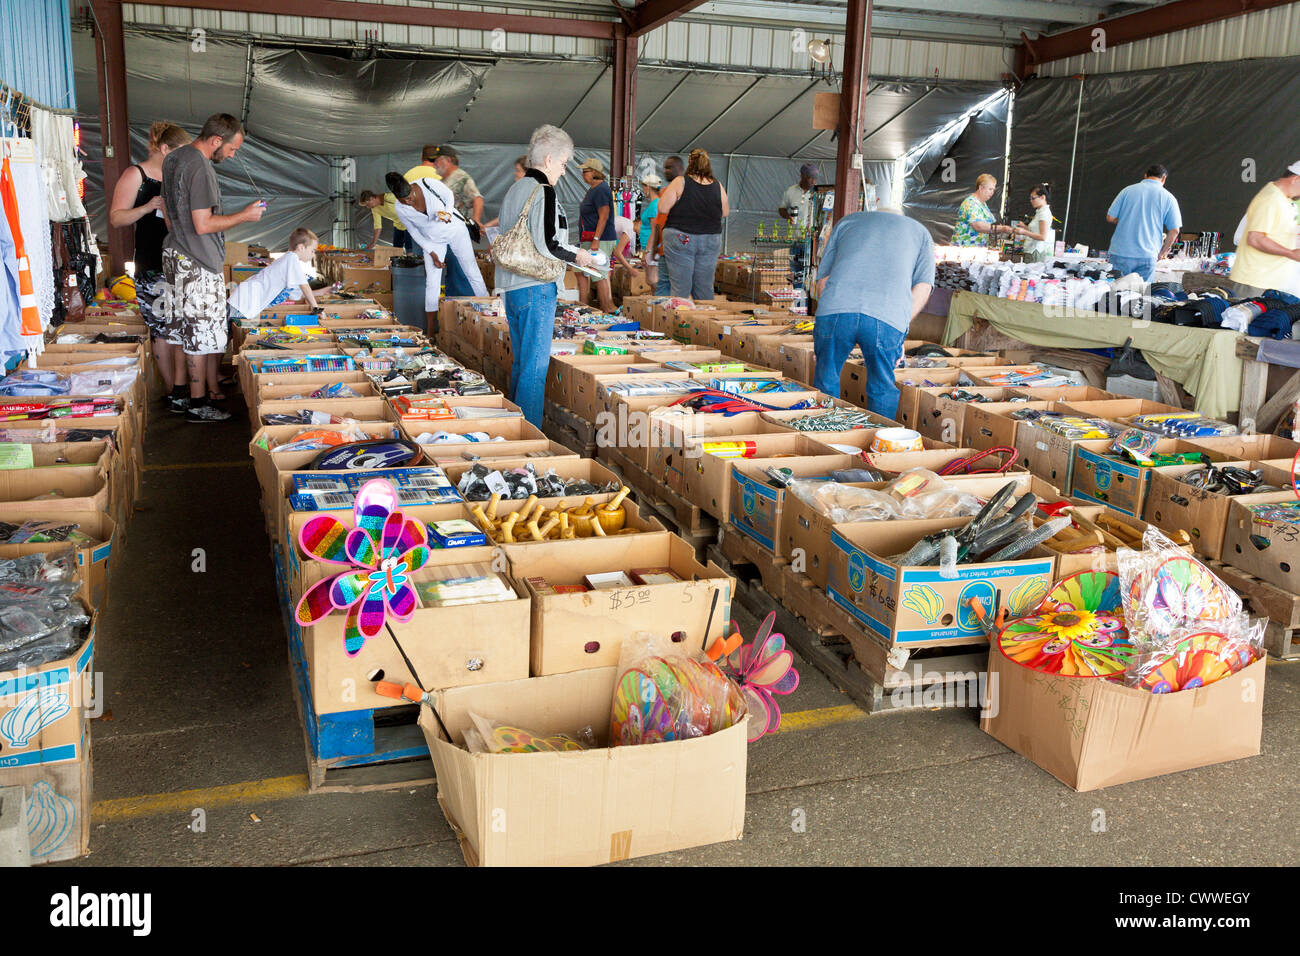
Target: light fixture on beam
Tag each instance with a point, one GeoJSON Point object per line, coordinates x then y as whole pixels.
{"type": "Point", "coordinates": [820, 52]}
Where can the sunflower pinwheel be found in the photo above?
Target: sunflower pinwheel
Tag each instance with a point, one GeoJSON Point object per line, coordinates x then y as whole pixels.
{"type": "Point", "coordinates": [380, 553]}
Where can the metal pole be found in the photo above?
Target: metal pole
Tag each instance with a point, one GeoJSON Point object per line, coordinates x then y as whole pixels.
{"type": "Point", "coordinates": [110, 57]}
{"type": "Point", "coordinates": [1069, 195]}
{"type": "Point", "coordinates": [857, 29]}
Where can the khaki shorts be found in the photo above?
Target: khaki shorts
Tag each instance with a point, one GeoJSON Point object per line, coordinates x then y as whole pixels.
{"type": "Point", "coordinates": [192, 307]}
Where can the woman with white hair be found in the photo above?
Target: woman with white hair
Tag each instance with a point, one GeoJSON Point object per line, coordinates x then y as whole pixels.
{"type": "Point", "coordinates": [530, 298]}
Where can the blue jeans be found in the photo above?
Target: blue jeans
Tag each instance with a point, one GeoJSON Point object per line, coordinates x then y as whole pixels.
{"type": "Point", "coordinates": [455, 281]}
{"type": "Point", "coordinates": [530, 313]}
{"type": "Point", "coordinates": [1143, 267]}
{"type": "Point", "coordinates": [663, 286]}
{"type": "Point", "coordinates": [403, 237]}
{"type": "Point", "coordinates": [693, 260]}
{"type": "Point", "coordinates": [882, 346]}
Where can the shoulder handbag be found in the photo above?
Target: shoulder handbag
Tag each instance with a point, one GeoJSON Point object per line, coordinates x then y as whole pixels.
{"type": "Point", "coordinates": [515, 250]}
{"type": "Point", "coordinates": [475, 233]}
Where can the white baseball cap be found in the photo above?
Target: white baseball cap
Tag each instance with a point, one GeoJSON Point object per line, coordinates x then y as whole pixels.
{"type": "Point", "coordinates": [1294, 168]}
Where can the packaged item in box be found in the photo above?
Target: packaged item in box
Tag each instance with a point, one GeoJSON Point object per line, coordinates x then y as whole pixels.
{"type": "Point", "coordinates": [454, 585]}
{"type": "Point", "coordinates": [455, 533]}
{"type": "Point", "coordinates": [660, 575]}
{"type": "Point", "coordinates": [491, 736]}
{"type": "Point", "coordinates": [608, 580]}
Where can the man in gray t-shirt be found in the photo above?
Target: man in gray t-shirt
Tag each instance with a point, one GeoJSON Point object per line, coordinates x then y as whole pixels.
{"type": "Point", "coordinates": [875, 276]}
{"type": "Point", "coordinates": [194, 255]}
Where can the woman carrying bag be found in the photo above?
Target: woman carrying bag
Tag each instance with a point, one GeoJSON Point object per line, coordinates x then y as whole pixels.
{"type": "Point", "coordinates": [530, 258]}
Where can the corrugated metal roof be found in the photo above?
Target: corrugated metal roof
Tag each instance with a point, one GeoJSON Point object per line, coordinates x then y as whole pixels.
{"type": "Point", "coordinates": [1264, 33]}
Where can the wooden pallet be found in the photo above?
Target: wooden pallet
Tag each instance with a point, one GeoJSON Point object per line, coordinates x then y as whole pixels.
{"type": "Point", "coordinates": [569, 429]}
{"type": "Point", "coordinates": [1282, 636]}
{"type": "Point", "coordinates": [358, 750]}
{"type": "Point", "coordinates": [740, 549]}
{"type": "Point", "coordinates": [683, 517]}
{"type": "Point", "coordinates": [878, 678]}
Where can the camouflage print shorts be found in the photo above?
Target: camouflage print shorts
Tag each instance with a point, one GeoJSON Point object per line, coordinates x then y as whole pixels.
{"type": "Point", "coordinates": [192, 307]}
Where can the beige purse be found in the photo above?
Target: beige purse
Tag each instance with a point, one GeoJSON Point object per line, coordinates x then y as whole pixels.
{"type": "Point", "coordinates": [515, 250]}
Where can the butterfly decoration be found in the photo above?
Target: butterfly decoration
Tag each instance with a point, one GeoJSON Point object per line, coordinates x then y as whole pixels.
{"type": "Point", "coordinates": [763, 668]}
{"type": "Point", "coordinates": [380, 554]}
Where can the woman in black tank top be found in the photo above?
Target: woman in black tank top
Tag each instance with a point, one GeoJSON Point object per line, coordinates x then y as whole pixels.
{"type": "Point", "coordinates": [137, 202]}
{"type": "Point", "coordinates": [695, 205]}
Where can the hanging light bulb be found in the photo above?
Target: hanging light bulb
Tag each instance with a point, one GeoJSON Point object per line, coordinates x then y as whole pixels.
{"type": "Point", "coordinates": [819, 51]}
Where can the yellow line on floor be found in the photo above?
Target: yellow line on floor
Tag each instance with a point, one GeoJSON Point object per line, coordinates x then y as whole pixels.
{"type": "Point", "coordinates": [253, 793]}
{"type": "Point", "coordinates": [200, 464]}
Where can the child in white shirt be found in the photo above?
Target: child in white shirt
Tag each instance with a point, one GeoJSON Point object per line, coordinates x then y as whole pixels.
{"type": "Point", "coordinates": [283, 279]}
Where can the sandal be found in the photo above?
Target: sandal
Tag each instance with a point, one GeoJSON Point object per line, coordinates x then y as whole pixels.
{"type": "Point", "coordinates": [218, 397]}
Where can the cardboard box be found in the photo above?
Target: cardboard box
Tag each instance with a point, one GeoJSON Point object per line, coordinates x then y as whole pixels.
{"type": "Point", "coordinates": [991, 425]}
{"type": "Point", "coordinates": [77, 487]}
{"type": "Point", "coordinates": [58, 798]}
{"type": "Point", "coordinates": [1250, 447]}
{"type": "Point", "coordinates": [1100, 476]}
{"type": "Point", "coordinates": [580, 809]}
{"type": "Point", "coordinates": [670, 429]}
{"type": "Point", "coordinates": [367, 279]}
{"type": "Point", "coordinates": [1092, 733]}
{"type": "Point", "coordinates": [805, 532]}
{"type": "Point", "coordinates": [943, 418]}
{"type": "Point", "coordinates": [1062, 393]}
{"type": "Point", "coordinates": [1175, 506]}
{"type": "Point", "coordinates": [578, 631]}
{"type": "Point", "coordinates": [910, 381]}
{"type": "Point", "coordinates": [449, 646]}
{"type": "Point", "coordinates": [756, 506]}
{"type": "Point", "coordinates": [706, 478]}
{"type": "Point", "coordinates": [916, 606]}
{"type": "Point", "coordinates": [54, 700]}
{"type": "Point", "coordinates": [1068, 563]}
{"type": "Point", "coordinates": [370, 409]}
{"type": "Point", "coordinates": [1045, 453]}
{"type": "Point", "coordinates": [1268, 549]}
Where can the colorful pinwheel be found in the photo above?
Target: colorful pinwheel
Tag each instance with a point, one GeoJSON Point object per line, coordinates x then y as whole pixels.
{"type": "Point", "coordinates": [380, 554]}
{"type": "Point", "coordinates": [763, 669]}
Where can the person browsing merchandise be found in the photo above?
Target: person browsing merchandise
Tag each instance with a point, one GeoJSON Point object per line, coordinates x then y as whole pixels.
{"type": "Point", "coordinates": [674, 166]}
{"type": "Point", "coordinates": [382, 206]}
{"type": "Point", "coordinates": [975, 221]}
{"type": "Point", "coordinates": [1039, 235]}
{"type": "Point", "coordinates": [796, 206]}
{"type": "Point", "coordinates": [650, 187]}
{"type": "Point", "coordinates": [138, 202]}
{"type": "Point", "coordinates": [596, 222]}
{"type": "Point", "coordinates": [469, 203]}
{"type": "Point", "coordinates": [875, 277]}
{"type": "Point", "coordinates": [1147, 220]}
{"type": "Point", "coordinates": [428, 211]}
{"type": "Point", "coordinates": [283, 280]}
{"type": "Point", "coordinates": [695, 204]}
{"type": "Point", "coordinates": [194, 258]}
{"type": "Point", "coordinates": [529, 301]}
{"type": "Point", "coordinates": [423, 170]}
{"type": "Point", "coordinates": [1267, 253]}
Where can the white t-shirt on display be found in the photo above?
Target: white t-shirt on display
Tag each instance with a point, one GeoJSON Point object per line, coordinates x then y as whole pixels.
{"type": "Point", "coordinates": [257, 292]}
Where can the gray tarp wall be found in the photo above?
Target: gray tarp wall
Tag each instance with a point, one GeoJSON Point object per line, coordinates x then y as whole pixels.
{"type": "Point", "coordinates": [307, 108]}
{"type": "Point", "coordinates": [1204, 122]}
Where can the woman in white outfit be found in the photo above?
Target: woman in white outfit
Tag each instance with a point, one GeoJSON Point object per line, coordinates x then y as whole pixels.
{"type": "Point", "coordinates": [427, 209]}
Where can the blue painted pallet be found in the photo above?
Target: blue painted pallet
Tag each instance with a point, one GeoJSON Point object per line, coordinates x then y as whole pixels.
{"type": "Point", "coordinates": [352, 739]}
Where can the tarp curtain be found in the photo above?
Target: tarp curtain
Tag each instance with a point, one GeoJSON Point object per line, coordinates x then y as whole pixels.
{"type": "Point", "coordinates": [979, 147]}
{"type": "Point", "coordinates": [1209, 123]}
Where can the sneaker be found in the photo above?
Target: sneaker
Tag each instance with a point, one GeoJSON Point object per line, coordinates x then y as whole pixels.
{"type": "Point", "coordinates": [206, 413]}
{"type": "Point", "coordinates": [178, 405]}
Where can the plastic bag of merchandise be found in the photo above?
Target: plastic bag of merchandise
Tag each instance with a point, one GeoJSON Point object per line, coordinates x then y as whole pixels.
{"type": "Point", "coordinates": [923, 494]}
{"type": "Point", "coordinates": [662, 693]}
{"type": "Point", "coordinates": [843, 503]}
{"type": "Point", "coordinates": [37, 567]}
{"type": "Point", "coordinates": [1191, 657]}
{"type": "Point", "coordinates": [1164, 590]}
{"type": "Point", "coordinates": [497, 737]}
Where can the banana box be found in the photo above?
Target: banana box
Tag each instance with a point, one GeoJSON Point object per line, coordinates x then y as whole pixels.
{"type": "Point", "coordinates": [916, 606]}
{"type": "Point", "coordinates": [44, 709]}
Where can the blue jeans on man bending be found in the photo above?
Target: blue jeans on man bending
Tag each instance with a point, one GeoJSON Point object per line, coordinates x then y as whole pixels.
{"type": "Point", "coordinates": [882, 346]}
{"type": "Point", "coordinates": [1126, 264]}
{"type": "Point", "coordinates": [457, 284]}
{"type": "Point", "coordinates": [530, 314]}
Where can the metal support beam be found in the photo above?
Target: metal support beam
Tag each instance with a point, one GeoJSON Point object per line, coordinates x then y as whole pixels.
{"type": "Point", "coordinates": [411, 16]}
{"type": "Point", "coordinates": [653, 14]}
{"type": "Point", "coordinates": [110, 61]}
{"type": "Point", "coordinates": [1157, 21]}
{"type": "Point", "coordinates": [714, 122]}
{"type": "Point", "coordinates": [623, 105]}
{"type": "Point", "coordinates": [857, 53]}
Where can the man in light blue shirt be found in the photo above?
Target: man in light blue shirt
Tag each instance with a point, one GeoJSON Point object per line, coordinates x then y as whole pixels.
{"type": "Point", "coordinates": [875, 276]}
{"type": "Point", "coordinates": [1148, 222]}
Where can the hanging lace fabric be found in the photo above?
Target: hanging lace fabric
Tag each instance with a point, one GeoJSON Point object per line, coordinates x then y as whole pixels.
{"type": "Point", "coordinates": [61, 171]}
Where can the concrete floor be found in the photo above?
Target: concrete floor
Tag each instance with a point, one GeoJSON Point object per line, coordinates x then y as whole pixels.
{"type": "Point", "coordinates": [200, 716]}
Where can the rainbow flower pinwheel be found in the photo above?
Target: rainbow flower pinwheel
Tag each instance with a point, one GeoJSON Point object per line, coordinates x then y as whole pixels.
{"type": "Point", "coordinates": [380, 553]}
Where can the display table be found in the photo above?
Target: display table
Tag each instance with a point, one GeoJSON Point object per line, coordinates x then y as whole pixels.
{"type": "Point", "coordinates": [1260, 410]}
{"type": "Point", "coordinates": [1203, 361]}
